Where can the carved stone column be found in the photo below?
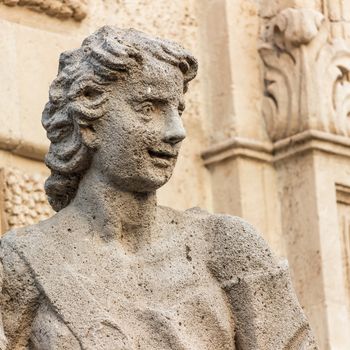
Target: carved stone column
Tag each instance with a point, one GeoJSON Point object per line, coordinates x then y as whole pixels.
{"type": "Point", "coordinates": [306, 108]}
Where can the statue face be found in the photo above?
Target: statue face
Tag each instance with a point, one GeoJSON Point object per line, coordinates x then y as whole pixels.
{"type": "Point", "coordinates": [139, 137]}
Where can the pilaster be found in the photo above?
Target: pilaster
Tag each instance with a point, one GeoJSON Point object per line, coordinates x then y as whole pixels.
{"type": "Point", "coordinates": [293, 182]}
{"type": "Point", "coordinates": [306, 108]}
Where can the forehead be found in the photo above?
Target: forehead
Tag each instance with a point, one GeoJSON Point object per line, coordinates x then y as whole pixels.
{"type": "Point", "coordinates": [156, 80]}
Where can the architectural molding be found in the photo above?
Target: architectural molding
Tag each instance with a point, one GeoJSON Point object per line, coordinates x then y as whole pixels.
{"type": "Point", "coordinates": [306, 76]}
{"type": "Point", "coordinates": [238, 147]}
{"type": "Point", "coordinates": [63, 9]}
{"type": "Point", "coordinates": [27, 149]}
{"type": "Point", "coordinates": [309, 140]}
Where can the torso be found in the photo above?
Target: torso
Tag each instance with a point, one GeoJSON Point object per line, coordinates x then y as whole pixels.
{"type": "Point", "coordinates": [161, 297]}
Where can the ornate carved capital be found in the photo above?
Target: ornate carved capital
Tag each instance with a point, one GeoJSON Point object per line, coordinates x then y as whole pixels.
{"type": "Point", "coordinates": [306, 76]}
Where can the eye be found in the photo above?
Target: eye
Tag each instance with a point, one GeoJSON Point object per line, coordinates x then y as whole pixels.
{"type": "Point", "coordinates": [147, 108]}
{"type": "Point", "coordinates": [91, 92]}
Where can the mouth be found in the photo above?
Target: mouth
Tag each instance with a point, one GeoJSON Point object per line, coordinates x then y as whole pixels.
{"type": "Point", "coordinates": [161, 154]}
{"type": "Point", "coordinates": [162, 158]}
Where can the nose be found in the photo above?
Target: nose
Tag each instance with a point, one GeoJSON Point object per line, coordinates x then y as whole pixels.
{"type": "Point", "coordinates": [174, 129]}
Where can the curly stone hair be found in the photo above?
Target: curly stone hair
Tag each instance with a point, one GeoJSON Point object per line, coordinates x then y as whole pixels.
{"type": "Point", "coordinates": [76, 98]}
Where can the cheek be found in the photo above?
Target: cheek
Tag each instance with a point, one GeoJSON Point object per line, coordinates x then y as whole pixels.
{"type": "Point", "coordinates": [142, 134]}
{"type": "Point", "coordinates": [127, 136]}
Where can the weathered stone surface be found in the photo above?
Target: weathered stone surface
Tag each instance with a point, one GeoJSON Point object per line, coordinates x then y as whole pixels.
{"type": "Point", "coordinates": [112, 270]}
{"type": "Point", "coordinates": [37, 39]}
{"type": "Point", "coordinates": [62, 9]}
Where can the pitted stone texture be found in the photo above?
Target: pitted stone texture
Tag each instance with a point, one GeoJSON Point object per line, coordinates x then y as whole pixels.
{"type": "Point", "coordinates": [112, 269]}
{"type": "Point", "coordinates": [178, 21]}
{"type": "Point", "coordinates": [63, 9]}
{"type": "Point", "coordinates": [25, 199]}
{"type": "Point", "coordinates": [176, 294]}
{"type": "Point", "coordinates": [28, 35]}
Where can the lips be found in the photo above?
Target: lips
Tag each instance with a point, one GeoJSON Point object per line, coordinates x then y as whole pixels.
{"type": "Point", "coordinates": [162, 158]}
{"type": "Point", "coordinates": [161, 154]}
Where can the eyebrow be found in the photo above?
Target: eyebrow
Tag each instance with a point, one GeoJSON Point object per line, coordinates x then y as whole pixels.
{"type": "Point", "coordinates": [157, 98]}
{"type": "Point", "coordinates": [150, 96]}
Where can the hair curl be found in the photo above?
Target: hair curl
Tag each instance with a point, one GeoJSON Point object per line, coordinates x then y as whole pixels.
{"type": "Point", "coordinates": [103, 57]}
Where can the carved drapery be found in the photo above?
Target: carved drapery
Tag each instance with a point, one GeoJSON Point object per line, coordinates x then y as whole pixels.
{"type": "Point", "coordinates": [76, 9]}
{"type": "Point", "coordinates": [306, 76]}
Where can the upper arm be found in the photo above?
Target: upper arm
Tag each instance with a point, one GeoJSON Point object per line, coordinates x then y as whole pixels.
{"type": "Point", "coordinates": [238, 250]}
{"type": "Point", "coordinates": [258, 287]}
{"type": "Point", "coordinates": [19, 297]}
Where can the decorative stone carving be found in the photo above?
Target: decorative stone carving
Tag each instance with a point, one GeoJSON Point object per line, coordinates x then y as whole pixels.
{"type": "Point", "coordinates": [306, 76]}
{"type": "Point", "coordinates": [338, 14]}
{"type": "Point", "coordinates": [76, 9]}
{"type": "Point", "coordinates": [336, 10]}
{"type": "Point", "coordinates": [25, 201]}
{"type": "Point", "coordinates": [112, 269]}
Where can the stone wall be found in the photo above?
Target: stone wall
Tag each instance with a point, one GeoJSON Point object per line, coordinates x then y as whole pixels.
{"type": "Point", "coordinates": [30, 44]}
{"type": "Point", "coordinates": [267, 122]}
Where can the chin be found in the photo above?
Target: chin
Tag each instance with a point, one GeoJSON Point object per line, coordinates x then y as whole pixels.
{"type": "Point", "coordinates": [153, 183]}
{"type": "Point", "coordinates": [144, 183]}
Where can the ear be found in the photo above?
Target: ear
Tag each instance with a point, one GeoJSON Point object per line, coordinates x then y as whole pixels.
{"type": "Point", "coordinates": [89, 136]}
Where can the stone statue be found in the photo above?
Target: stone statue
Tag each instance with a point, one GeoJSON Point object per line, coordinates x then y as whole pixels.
{"type": "Point", "coordinates": [113, 270]}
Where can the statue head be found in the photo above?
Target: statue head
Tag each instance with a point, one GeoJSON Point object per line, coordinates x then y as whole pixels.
{"type": "Point", "coordinates": [115, 107]}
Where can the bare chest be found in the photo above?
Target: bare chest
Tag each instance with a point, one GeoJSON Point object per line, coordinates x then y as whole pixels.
{"type": "Point", "coordinates": [161, 275]}
{"type": "Point", "coordinates": [163, 298]}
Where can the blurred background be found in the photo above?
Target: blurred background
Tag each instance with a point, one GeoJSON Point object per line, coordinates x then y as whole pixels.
{"type": "Point", "coordinates": [267, 123]}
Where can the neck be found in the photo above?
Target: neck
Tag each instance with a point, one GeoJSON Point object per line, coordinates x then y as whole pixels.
{"type": "Point", "coordinates": [126, 217]}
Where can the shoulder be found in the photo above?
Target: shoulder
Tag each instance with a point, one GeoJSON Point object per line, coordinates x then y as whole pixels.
{"type": "Point", "coordinates": [19, 246]}
{"type": "Point", "coordinates": [190, 218]}
{"type": "Point", "coordinates": [237, 248]}
{"type": "Point", "coordinates": [194, 212]}
{"type": "Point", "coordinates": [15, 246]}
{"type": "Point", "coordinates": [18, 283]}
{"type": "Point", "coordinates": [27, 238]}
{"type": "Point", "coordinates": [233, 246]}
{"type": "Point", "coordinates": [234, 233]}
{"type": "Point", "coordinates": [15, 272]}
{"type": "Point", "coordinates": [19, 290]}
{"type": "Point", "coordinates": [9, 254]}
{"type": "Point", "coordinates": [15, 241]}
